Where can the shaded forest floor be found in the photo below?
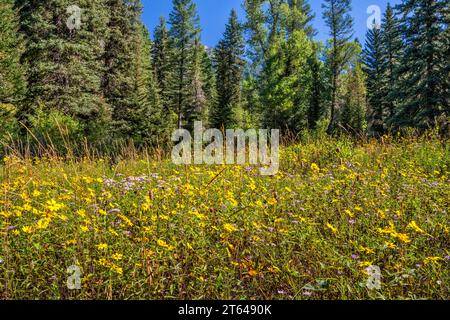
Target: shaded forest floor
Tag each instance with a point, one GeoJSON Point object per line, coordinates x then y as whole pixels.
{"type": "Point", "coordinates": [150, 230]}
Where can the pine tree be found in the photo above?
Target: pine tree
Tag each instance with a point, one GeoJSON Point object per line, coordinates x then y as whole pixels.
{"type": "Point", "coordinates": [373, 60]}
{"type": "Point", "coordinates": [12, 80]}
{"type": "Point", "coordinates": [150, 123]}
{"type": "Point", "coordinates": [162, 54]}
{"type": "Point", "coordinates": [423, 69]}
{"type": "Point", "coordinates": [391, 49]}
{"type": "Point", "coordinates": [338, 19]}
{"type": "Point", "coordinates": [229, 64]}
{"type": "Point", "coordinates": [185, 81]}
{"type": "Point", "coordinates": [121, 57]}
{"type": "Point", "coordinates": [64, 57]}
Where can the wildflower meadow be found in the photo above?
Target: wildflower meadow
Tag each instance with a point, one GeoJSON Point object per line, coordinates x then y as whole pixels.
{"type": "Point", "coordinates": [144, 228]}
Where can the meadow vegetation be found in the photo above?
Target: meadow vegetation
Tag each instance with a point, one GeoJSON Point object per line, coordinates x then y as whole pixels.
{"type": "Point", "coordinates": [140, 227]}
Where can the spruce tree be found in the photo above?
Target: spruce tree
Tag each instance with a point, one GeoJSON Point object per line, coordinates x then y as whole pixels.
{"type": "Point", "coordinates": [423, 71]}
{"type": "Point", "coordinates": [338, 19]}
{"type": "Point", "coordinates": [185, 80]}
{"type": "Point", "coordinates": [391, 49]}
{"type": "Point", "coordinates": [63, 56]}
{"type": "Point", "coordinates": [229, 65]}
{"type": "Point", "coordinates": [121, 57]}
{"type": "Point", "coordinates": [373, 60]}
{"type": "Point", "coordinates": [161, 53]}
{"type": "Point", "coordinates": [150, 123]}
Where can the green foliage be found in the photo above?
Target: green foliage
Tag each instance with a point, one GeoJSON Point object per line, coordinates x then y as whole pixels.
{"type": "Point", "coordinates": [64, 65]}
{"type": "Point", "coordinates": [161, 56]}
{"type": "Point", "coordinates": [12, 80]}
{"type": "Point", "coordinates": [353, 114]}
{"type": "Point", "coordinates": [287, 80]}
{"type": "Point", "coordinates": [186, 87]}
{"type": "Point", "coordinates": [150, 124]}
{"type": "Point", "coordinates": [391, 51]}
{"type": "Point", "coordinates": [373, 60]}
{"type": "Point", "coordinates": [108, 76]}
{"type": "Point", "coordinates": [56, 131]}
{"type": "Point", "coordinates": [317, 95]}
{"type": "Point", "coordinates": [281, 46]}
{"type": "Point", "coordinates": [337, 17]}
{"type": "Point", "coordinates": [229, 64]}
{"type": "Point", "coordinates": [8, 123]}
{"type": "Point", "coordinates": [423, 73]}
{"type": "Point", "coordinates": [121, 62]}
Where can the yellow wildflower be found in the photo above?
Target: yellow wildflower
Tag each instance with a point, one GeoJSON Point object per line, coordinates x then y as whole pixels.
{"type": "Point", "coordinates": [27, 229]}
{"type": "Point", "coordinates": [332, 228]}
{"type": "Point", "coordinates": [252, 273]}
{"type": "Point", "coordinates": [315, 168]}
{"type": "Point", "coordinates": [102, 246]}
{"type": "Point", "coordinates": [432, 260]}
{"type": "Point", "coordinates": [390, 245]}
{"type": "Point", "coordinates": [117, 256]}
{"type": "Point", "coordinates": [403, 237]}
{"type": "Point", "coordinates": [229, 227]}
{"type": "Point", "coordinates": [413, 225]}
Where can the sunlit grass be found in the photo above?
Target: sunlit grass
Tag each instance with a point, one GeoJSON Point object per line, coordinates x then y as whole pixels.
{"type": "Point", "coordinates": [144, 229]}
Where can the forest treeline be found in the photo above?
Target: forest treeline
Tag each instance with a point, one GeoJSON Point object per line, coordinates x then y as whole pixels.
{"type": "Point", "coordinates": [109, 78]}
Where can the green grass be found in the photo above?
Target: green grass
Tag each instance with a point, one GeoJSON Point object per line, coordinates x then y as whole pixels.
{"type": "Point", "coordinates": [225, 232]}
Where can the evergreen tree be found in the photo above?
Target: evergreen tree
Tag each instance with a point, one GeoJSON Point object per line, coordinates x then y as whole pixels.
{"type": "Point", "coordinates": [162, 54]}
{"type": "Point", "coordinates": [315, 109]}
{"type": "Point", "coordinates": [185, 83]}
{"type": "Point", "coordinates": [354, 95]}
{"type": "Point", "coordinates": [209, 82]}
{"type": "Point", "coordinates": [229, 64]}
{"type": "Point", "coordinates": [196, 110]}
{"type": "Point", "coordinates": [338, 19]}
{"type": "Point", "coordinates": [423, 70]}
{"type": "Point", "coordinates": [12, 80]}
{"type": "Point", "coordinates": [391, 49]}
{"type": "Point", "coordinates": [121, 58]}
{"type": "Point", "coordinates": [63, 56]}
{"type": "Point", "coordinates": [151, 124]}
{"type": "Point", "coordinates": [287, 83]}
{"type": "Point", "coordinates": [250, 116]}
{"type": "Point", "coordinates": [300, 17]}
{"type": "Point", "coordinates": [373, 60]}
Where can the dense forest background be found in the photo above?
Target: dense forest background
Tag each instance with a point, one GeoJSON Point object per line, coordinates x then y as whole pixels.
{"type": "Point", "coordinates": [109, 79]}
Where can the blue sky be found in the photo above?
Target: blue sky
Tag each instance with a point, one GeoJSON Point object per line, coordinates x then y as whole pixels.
{"type": "Point", "coordinates": [214, 14]}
